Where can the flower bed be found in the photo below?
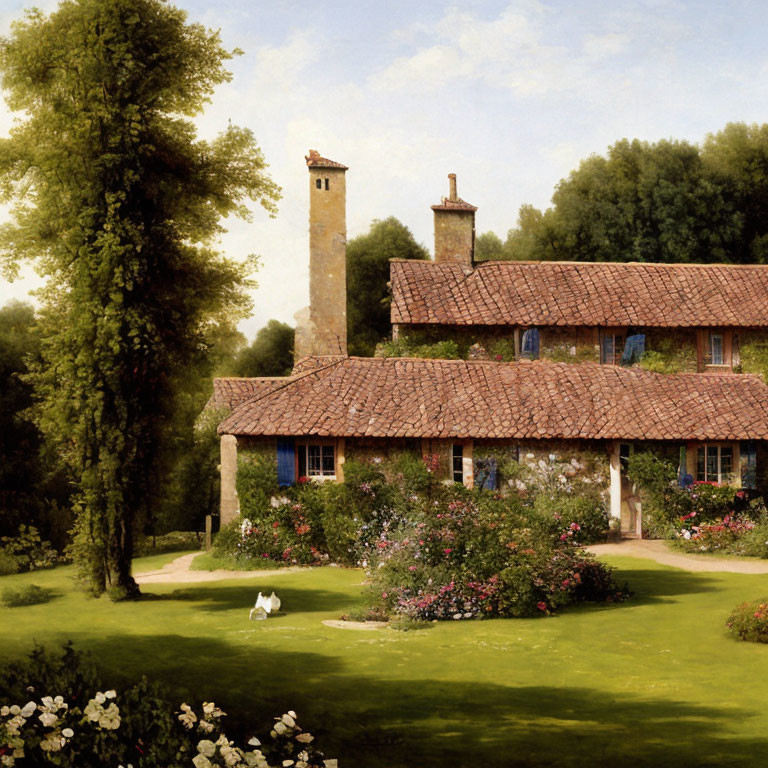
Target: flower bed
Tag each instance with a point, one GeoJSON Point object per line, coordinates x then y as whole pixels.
{"type": "Point", "coordinates": [737, 533]}
{"type": "Point", "coordinates": [433, 550]}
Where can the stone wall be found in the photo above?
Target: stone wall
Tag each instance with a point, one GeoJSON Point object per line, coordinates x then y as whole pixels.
{"type": "Point", "coordinates": [454, 237]}
{"type": "Point", "coordinates": [569, 344]}
{"type": "Point", "coordinates": [669, 350]}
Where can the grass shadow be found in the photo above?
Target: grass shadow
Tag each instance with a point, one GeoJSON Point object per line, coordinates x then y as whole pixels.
{"type": "Point", "coordinates": [216, 598]}
{"type": "Point", "coordinates": [656, 586]}
{"type": "Point", "coordinates": [378, 723]}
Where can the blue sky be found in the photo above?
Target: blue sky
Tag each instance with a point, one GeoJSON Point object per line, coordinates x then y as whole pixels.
{"type": "Point", "coordinates": [508, 95]}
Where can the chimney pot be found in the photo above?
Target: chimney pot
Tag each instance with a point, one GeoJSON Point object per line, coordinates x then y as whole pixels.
{"type": "Point", "coordinates": [452, 182]}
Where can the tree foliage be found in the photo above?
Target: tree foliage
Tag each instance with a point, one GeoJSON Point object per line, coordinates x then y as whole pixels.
{"type": "Point", "coordinates": [668, 201]}
{"type": "Point", "coordinates": [367, 279]}
{"type": "Point", "coordinates": [270, 353]}
{"type": "Point", "coordinates": [120, 203]}
{"type": "Point", "coordinates": [20, 441]}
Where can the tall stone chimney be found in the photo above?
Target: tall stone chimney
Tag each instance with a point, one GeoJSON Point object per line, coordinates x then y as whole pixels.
{"type": "Point", "coordinates": [454, 228]}
{"type": "Point", "coordinates": [322, 329]}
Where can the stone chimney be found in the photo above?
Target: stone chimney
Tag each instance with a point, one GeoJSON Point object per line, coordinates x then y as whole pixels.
{"type": "Point", "coordinates": [454, 228]}
{"type": "Point", "coordinates": [322, 328]}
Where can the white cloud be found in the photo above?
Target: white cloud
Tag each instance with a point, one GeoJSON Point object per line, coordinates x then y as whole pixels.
{"type": "Point", "coordinates": [598, 47]}
{"type": "Point", "coordinates": [510, 51]}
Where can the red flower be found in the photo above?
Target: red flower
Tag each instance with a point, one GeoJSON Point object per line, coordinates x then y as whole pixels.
{"type": "Point", "coordinates": [542, 606]}
{"type": "Point", "coordinates": [275, 524]}
{"type": "Point", "coordinates": [448, 551]}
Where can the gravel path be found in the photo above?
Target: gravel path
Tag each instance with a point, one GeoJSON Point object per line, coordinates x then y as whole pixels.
{"type": "Point", "coordinates": [178, 572]}
{"type": "Point", "coordinates": [661, 553]}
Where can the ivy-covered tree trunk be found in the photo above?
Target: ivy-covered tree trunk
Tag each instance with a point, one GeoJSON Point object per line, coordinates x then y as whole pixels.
{"type": "Point", "coordinates": [118, 203]}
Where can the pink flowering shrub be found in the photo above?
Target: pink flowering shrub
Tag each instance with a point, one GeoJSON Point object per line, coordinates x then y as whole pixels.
{"type": "Point", "coordinates": [749, 622]}
{"type": "Point", "coordinates": [470, 555]}
{"type": "Point", "coordinates": [744, 533]}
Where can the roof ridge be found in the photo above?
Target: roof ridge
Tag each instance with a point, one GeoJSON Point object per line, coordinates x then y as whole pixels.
{"type": "Point", "coordinates": [607, 264]}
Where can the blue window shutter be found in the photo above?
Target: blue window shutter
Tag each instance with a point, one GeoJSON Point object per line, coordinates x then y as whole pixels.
{"type": "Point", "coordinates": [748, 465]}
{"type": "Point", "coordinates": [486, 474]}
{"type": "Point", "coordinates": [286, 462]}
{"type": "Point", "coordinates": [492, 482]}
{"type": "Point", "coordinates": [633, 349]}
{"type": "Point", "coordinates": [682, 467]}
{"type": "Point", "coordinates": [529, 347]}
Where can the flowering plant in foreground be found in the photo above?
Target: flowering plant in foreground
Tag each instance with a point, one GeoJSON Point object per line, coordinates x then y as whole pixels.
{"type": "Point", "coordinates": [51, 732]}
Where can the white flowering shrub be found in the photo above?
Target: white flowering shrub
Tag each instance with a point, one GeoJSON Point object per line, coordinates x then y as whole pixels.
{"type": "Point", "coordinates": [134, 728]}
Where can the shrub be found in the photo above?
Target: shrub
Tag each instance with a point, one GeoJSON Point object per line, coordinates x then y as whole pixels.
{"type": "Point", "coordinates": [29, 551]}
{"type": "Point", "coordinates": [472, 554]}
{"type": "Point", "coordinates": [582, 519]}
{"type": "Point", "coordinates": [256, 482]}
{"type": "Point", "coordinates": [8, 563]}
{"type": "Point", "coordinates": [749, 622]}
{"type": "Point", "coordinates": [744, 533]}
{"type": "Point", "coordinates": [55, 710]}
{"type": "Point", "coordinates": [29, 595]}
{"type": "Point", "coordinates": [666, 505]}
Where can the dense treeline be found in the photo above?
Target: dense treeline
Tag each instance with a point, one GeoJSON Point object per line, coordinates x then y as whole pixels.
{"type": "Point", "coordinates": [668, 201]}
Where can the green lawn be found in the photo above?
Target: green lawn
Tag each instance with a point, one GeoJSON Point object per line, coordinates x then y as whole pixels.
{"type": "Point", "coordinates": [654, 682]}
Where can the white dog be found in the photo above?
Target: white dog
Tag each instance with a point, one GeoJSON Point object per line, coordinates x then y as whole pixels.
{"type": "Point", "coordinates": [264, 606]}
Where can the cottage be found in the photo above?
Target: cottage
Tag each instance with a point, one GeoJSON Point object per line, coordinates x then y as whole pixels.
{"type": "Point", "coordinates": [467, 413]}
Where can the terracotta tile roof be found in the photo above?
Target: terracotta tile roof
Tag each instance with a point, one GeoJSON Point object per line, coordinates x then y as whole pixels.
{"type": "Point", "coordinates": [570, 293]}
{"type": "Point", "coordinates": [404, 397]}
{"type": "Point", "coordinates": [314, 160]}
{"type": "Point", "coordinates": [231, 392]}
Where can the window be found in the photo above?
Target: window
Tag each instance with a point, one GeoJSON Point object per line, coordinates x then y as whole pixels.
{"type": "Point", "coordinates": [716, 349]}
{"type": "Point", "coordinates": [625, 451]}
{"type": "Point", "coordinates": [457, 464]}
{"type": "Point", "coordinates": [319, 183]}
{"type": "Point", "coordinates": [316, 460]}
{"type": "Point", "coordinates": [326, 183]}
{"type": "Point", "coordinates": [714, 463]}
{"type": "Point", "coordinates": [611, 347]}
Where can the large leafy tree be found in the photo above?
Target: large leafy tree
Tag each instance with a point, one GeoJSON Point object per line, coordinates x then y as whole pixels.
{"type": "Point", "coordinates": [367, 279]}
{"type": "Point", "coordinates": [120, 203]}
{"type": "Point", "coordinates": [269, 354]}
{"type": "Point", "coordinates": [662, 201]}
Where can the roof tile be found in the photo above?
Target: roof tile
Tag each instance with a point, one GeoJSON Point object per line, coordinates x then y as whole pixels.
{"type": "Point", "coordinates": [388, 397]}
{"type": "Point", "coordinates": [580, 293]}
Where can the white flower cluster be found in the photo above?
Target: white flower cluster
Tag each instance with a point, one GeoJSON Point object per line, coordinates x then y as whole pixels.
{"type": "Point", "coordinates": [51, 710]}
{"type": "Point", "coordinates": [207, 721]}
{"type": "Point", "coordinates": [18, 727]}
{"type": "Point", "coordinates": [107, 717]}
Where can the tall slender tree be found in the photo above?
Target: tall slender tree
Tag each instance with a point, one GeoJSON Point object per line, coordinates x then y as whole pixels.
{"type": "Point", "coordinates": [119, 203]}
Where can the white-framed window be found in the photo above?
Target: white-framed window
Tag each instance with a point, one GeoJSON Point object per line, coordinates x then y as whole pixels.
{"type": "Point", "coordinates": [316, 460]}
{"type": "Point", "coordinates": [611, 347]}
{"type": "Point", "coordinates": [714, 463]}
{"type": "Point", "coordinates": [716, 347]}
